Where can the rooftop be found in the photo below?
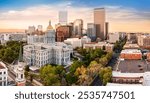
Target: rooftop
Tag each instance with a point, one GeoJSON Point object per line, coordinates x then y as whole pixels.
{"type": "Point", "coordinates": [2, 65]}
{"type": "Point", "coordinates": [133, 66]}
{"type": "Point", "coordinates": [116, 84]}
{"type": "Point", "coordinates": [131, 51]}
{"type": "Point", "coordinates": [99, 9]}
{"type": "Point", "coordinates": [126, 75]}
{"type": "Point", "coordinates": [131, 46]}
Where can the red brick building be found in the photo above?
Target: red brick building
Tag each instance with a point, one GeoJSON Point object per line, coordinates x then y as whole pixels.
{"type": "Point", "coordinates": [63, 32]}
{"type": "Point", "coordinates": [131, 54]}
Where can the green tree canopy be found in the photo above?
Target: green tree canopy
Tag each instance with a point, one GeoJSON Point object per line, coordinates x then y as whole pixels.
{"type": "Point", "coordinates": [105, 75]}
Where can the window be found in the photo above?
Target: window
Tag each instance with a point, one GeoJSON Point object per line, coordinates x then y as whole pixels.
{"type": "Point", "coordinates": [4, 83]}
{"type": "Point", "coordinates": [0, 78]}
{"type": "Point", "coordinates": [0, 73]}
{"type": "Point", "coordinates": [21, 76]}
{"type": "Point", "coordinates": [4, 72]}
{"type": "Point", "coordinates": [0, 83]}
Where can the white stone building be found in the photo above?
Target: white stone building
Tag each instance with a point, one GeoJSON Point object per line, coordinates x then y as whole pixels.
{"type": "Point", "coordinates": [42, 50]}
{"type": "Point", "coordinates": [5, 38]}
{"type": "Point", "coordinates": [20, 77]}
{"type": "Point", "coordinates": [85, 39]}
{"type": "Point", "coordinates": [113, 37]}
{"type": "Point", "coordinates": [40, 54]}
{"type": "Point", "coordinates": [76, 42]}
{"type": "Point", "coordinates": [3, 74]}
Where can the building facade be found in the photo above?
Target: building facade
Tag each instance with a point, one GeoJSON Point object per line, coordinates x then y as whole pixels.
{"type": "Point", "coordinates": [131, 54]}
{"type": "Point", "coordinates": [113, 37]}
{"type": "Point", "coordinates": [31, 29]}
{"type": "Point", "coordinates": [41, 54]}
{"type": "Point", "coordinates": [3, 74]}
{"type": "Point", "coordinates": [63, 32]}
{"type": "Point", "coordinates": [91, 30]}
{"type": "Point", "coordinates": [102, 45]}
{"type": "Point", "coordinates": [20, 77]}
{"type": "Point", "coordinates": [99, 21]}
{"type": "Point", "coordinates": [76, 42]}
{"type": "Point", "coordinates": [40, 28]}
{"type": "Point", "coordinates": [78, 27]}
{"type": "Point", "coordinates": [144, 41]}
{"type": "Point", "coordinates": [132, 37]}
{"type": "Point", "coordinates": [63, 17]}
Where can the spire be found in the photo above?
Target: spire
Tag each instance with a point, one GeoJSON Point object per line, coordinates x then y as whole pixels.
{"type": "Point", "coordinates": [50, 26]}
{"type": "Point", "coordinates": [20, 54]}
{"type": "Point", "coordinates": [49, 22]}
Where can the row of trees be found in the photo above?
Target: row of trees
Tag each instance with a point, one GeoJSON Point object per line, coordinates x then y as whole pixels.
{"type": "Point", "coordinates": [119, 45]}
{"type": "Point", "coordinates": [81, 72]}
{"type": "Point", "coordinates": [10, 51]}
{"type": "Point", "coordinates": [93, 64]}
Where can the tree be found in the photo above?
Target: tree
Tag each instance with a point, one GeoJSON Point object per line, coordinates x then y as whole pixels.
{"type": "Point", "coordinates": [80, 71]}
{"type": "Point", "coordinates": [51, 80]}
{"type": "Point", "coordinates": [105, 75]}
{"type": "Point", "coordinates": [71, 79]}
{"type": "Point", "coordinates": [103, 61]}
{"type": "Point", "coordinates": [83, 76]}
{"type": "Point", "coordinates": [10, 52]}
{"type": "Point", "coordinates": [49, 76]}
{"type": "Point", "coordinates": [94, 68]}
{"type": "Point", "coordinates": [75, 65]}
{"type": "Point", "coordinates": [59, 69]}
{"type": "Point", "coordinates": [84, 79]}
{"type": "Point", "coordinates": [27, 68]}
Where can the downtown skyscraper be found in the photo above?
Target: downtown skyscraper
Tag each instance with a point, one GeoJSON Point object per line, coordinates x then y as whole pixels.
{"type": "Point", "coordinates": [99, 21]}
{"type": "Point", "coordinates": [63, 17]}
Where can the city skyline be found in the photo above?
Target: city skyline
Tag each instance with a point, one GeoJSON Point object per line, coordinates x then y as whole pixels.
{"type": "Point", "coordinates": [126, 16]}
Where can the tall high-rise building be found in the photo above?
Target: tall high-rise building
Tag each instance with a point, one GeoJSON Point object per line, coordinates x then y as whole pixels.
{"type": "Point", "coordinates": [63, 17]}
{"type": "Point", "coordinates": [91, 30]}
{"type": "Point", "coordinates": [99, 21]}
{"type": "Point", "coordinates": [78, 27]}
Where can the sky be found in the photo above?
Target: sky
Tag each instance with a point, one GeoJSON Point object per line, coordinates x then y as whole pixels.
{"type": "Point", "coordinates": [122, 15]}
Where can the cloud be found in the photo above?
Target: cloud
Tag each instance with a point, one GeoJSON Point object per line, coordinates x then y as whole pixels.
{"type": "Point", "coordinates": [41, 14]}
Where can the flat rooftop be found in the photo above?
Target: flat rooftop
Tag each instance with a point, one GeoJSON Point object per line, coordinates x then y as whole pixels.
{"type": "Point", "coordinates": [131, 51]}
{"type": "Point", "coordinates": [131, 46]}
{"type": "Point", "coordinates": [133, 66]}
{"type": "Point", "coordinates": [117, 84]}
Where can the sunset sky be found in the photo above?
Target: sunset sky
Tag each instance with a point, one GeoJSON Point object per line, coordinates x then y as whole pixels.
{"type": "Point", "coordinates": [122, 15]}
